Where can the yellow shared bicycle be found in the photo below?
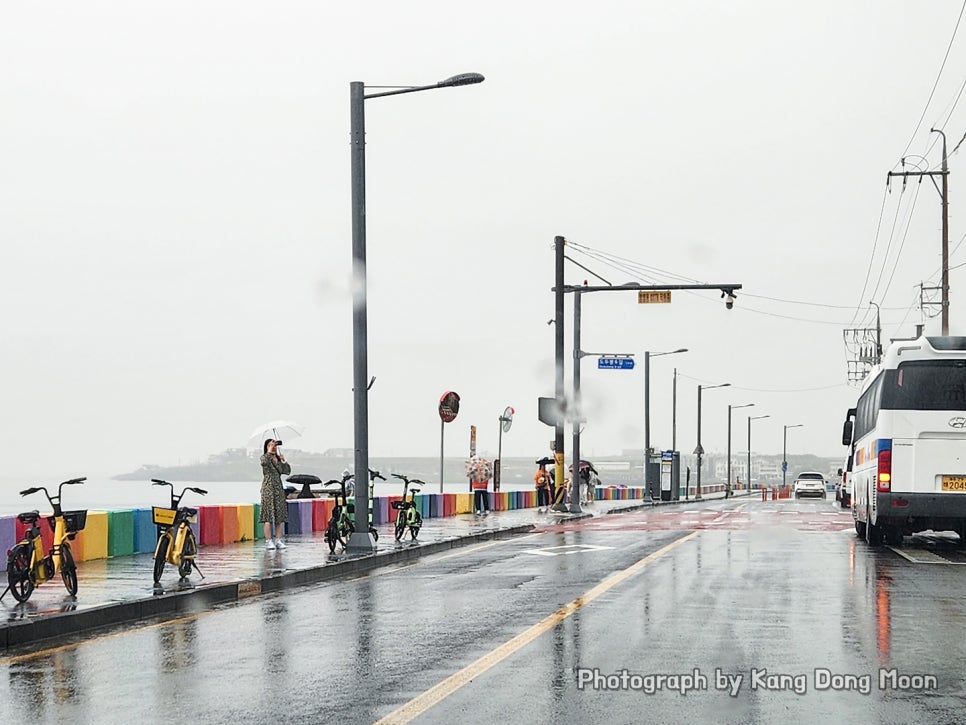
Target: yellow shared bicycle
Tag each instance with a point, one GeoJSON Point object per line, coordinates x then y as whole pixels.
{"type": "Point", "coordinates": [176, 541]}
{"type": "Point", "coordinates": [27, 564]}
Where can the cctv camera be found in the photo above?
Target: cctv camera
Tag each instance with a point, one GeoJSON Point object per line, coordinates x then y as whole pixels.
{"type": "Point", "coordinates": [729, 298]}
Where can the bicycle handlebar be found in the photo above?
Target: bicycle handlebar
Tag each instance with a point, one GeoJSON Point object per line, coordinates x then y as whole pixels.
{"type": "Point", "coordinates": [375, 474]}
{"type": "Point", "coordinates": [159, 482]}
{"type": "Point", "coordinates": [196, 490]}
{"type": "Point", "coordinates": [28, 491]}
{"type": "Point", "coordinates": [74, 480]}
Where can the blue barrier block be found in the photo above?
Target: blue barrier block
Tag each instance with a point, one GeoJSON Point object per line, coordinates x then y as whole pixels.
{"type": "Point", "coordinates": [145, 532]}
{"type": "Point", "coordinates": [435, 505]}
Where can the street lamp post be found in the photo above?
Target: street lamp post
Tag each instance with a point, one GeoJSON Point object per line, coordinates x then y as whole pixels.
{"type": "Point", "coordinates": [785, 448]}
{"type": "Point", "coordinates": [730, 408]}
{"type": "Point", "coordinates": [361, 539]}
{"type": "Point", "coordinates": [647, 412]}
{"type": "Point", "coordinates": [698, 450]}
{"type": "Point", "coordinates": [748, 472]}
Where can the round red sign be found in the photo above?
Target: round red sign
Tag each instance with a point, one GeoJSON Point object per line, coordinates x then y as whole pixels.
{"type": "Point", "coordinates": [449, 406]}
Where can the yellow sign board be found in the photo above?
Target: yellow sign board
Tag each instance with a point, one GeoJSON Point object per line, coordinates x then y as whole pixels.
{"type": "Point", "coordinates": [646, 296]}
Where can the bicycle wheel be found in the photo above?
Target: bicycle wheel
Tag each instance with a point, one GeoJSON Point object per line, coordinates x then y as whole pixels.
{"type": "Point", "coordinates": [160, 556]}
{"type": "Point", "coordinates": [375, 534]}
{"type": "Point", "coordinates": [344, 532]}
{"type": "Point", "coordinates": [68, 569]}
{"type": "Point", "coordinates": [331, 536]}
{"type": "Point", "coordinates": [416, 525]}
{"type": "Point", "coordinates": [400, 524]}
{"type": "Point", "coordinates": [18, 573]}
{"type": "Point", "coordinates": [188, 551]}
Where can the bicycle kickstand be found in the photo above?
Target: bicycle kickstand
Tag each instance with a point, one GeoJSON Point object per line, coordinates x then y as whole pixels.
{"type": "Point", "coordinates": [197, 569]}
{"type": "Point", "coordinates": [4, 592]}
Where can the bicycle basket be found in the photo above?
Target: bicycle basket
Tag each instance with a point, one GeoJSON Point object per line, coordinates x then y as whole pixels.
{"type": "Point", "coordinates": [162, 516]}
{"type": "Point", "coordinates": [75, 520]}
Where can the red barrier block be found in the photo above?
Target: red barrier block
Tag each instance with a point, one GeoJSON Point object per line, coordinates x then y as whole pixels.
{"type": "Point", "coordinates": [449, 504]}
{"type": "Point", "coordinates": [319, 519]}
{"type": "Point", "coordinates": [46, 533]}
{"type": "Point", "coordinates": [210, 525]}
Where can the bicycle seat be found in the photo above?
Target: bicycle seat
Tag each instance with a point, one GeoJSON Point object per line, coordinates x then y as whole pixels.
{"type": "Point", "coordinates": [28, 517]}
{"type": "Point", "coordinates": [189, 511]}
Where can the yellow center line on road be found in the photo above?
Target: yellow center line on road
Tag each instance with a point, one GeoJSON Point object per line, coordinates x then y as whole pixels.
{"type": "Point", "coordinates": [421, 703]}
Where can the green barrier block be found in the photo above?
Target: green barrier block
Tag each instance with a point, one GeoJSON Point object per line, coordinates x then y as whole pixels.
{"type": "Point", "coordinates": [120, 533]}
{"type": "Point", "coordinates": [259, 526]}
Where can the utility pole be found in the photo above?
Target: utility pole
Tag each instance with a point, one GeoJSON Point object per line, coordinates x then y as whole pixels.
{"type": "Point", "coordinates": [558, 433]}
{"type": "Point", "coordinates": [944, 196]}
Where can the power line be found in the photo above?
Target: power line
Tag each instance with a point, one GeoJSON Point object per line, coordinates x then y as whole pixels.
{"type": "Point", "coordinates": [938, 76]}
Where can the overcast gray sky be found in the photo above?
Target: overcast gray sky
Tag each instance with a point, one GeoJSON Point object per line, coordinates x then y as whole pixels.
{"type": "Point", "coordinates": [175, 217]}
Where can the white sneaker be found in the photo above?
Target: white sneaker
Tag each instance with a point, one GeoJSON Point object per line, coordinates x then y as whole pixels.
{"type": "Point", "coordinates": [269, 544]}
{"type": "Point", "coordinates": [279, 544]}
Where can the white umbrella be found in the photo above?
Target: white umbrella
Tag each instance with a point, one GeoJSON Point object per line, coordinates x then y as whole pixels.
{"type": "Point", "coordinates": [276, 430]}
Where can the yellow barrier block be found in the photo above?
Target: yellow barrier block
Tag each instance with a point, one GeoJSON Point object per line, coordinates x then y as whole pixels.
{"type": "Point", "coordinates": [464, 503]}
{"type": "Point", "coordinates": [91, 543]}
{"type": "Point", "coordinates": [246, 522]}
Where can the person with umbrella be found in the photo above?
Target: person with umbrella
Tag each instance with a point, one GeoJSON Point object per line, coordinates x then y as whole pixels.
{"type": "Point", "coordinates": [541, 480]}
{"type": "Point", "coordinates": [479, 470]}
{"type": "Point", "coordinates": [274, 509]}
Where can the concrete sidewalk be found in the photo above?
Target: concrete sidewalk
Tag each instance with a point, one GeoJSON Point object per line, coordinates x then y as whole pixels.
{"type": "Point", "coordinates": [121, 589]}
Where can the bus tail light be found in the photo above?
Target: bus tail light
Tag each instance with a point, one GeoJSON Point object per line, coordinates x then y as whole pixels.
{"type": "Point", "coordinates": [884, 479]}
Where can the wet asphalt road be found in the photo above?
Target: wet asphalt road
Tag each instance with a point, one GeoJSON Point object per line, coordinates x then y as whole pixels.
{"type": "Point", "coordinates": [780, 594]}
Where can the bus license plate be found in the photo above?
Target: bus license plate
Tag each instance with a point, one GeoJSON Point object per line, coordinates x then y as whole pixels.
{"type": "Point", "coordinates": [954, 483]}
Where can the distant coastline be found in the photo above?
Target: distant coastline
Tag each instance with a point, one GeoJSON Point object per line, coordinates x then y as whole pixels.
{"type": "Point", "coordinates": [240, 465]}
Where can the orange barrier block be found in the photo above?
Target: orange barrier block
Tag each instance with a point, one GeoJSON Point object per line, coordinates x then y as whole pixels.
{"type": "Point", "coordinates": [229, 523]}
{"type": "Point", "coordinates": [246, 521]}
{"type": "Point", "coordinates": [91, 543]}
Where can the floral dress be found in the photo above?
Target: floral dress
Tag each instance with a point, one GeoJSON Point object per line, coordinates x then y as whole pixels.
{"type": "Point", "coordinates": [274, 509]}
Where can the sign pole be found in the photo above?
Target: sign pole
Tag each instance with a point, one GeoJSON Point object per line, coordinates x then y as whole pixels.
{"type": "Point", "coordinates": [442, 430]}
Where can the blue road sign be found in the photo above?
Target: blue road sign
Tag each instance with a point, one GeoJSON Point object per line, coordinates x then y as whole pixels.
{"type": "Point", "coordinates": [615, 363]}
{"type": "Point", "coordinates": [784, 467]}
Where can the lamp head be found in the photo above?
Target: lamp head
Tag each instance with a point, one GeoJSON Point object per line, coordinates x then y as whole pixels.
{"type": "Point", "coordinates": [461, 79]}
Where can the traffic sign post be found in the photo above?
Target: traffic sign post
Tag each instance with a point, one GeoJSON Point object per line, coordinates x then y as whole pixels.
{"type": "Point", "coordinates": [615, 363]}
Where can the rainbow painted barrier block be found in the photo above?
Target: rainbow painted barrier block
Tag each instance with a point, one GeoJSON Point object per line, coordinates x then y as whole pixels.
{"type": "Point", "coordinates": [229, 523]}
{"type": "Point", "coordinates": [210, 524]}
{"type": "Point", "coordinates": [299, 516]}
{"type": "Point", "coordinates": [464, 503]}
{"type": "Point", "coordinates": [258, 525]}
{"type": "Point", "coordinates": [435, 504]}
{"type": "Point", "coordinates": [246, 522]}
{"type": "Point", "coordinates": [145, 532]}
{"type": "Point", "coordinates": [380, 510]}
{"type": "Point", "coordinates": [449, 504]}
{"type": "Point", "coordinates": [8, 532]}
{"type": "Point", "coordinates": [46, 533]}
{"type": "Point", "coordinates": [319, 518]}
{"type": "Point", "coordinates": [91, 543]}
{"type": "Point", "coordinates": [120, 532]}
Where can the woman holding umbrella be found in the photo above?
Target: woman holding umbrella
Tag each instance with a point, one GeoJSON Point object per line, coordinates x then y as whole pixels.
{"type": "Point", "coordinates": [541, 480]}
{"type": "Point", "coordinates": [274, 509]}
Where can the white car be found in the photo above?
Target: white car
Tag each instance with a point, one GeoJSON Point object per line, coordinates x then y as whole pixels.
{"type": "Point", "coordinates": [810, 483]}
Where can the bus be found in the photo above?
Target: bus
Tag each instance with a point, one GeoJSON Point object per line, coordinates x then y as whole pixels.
{"type": "Point", "coordinates": [907, 442]}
